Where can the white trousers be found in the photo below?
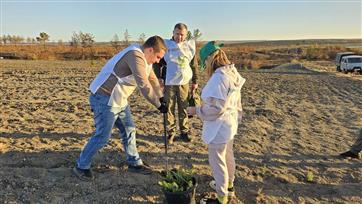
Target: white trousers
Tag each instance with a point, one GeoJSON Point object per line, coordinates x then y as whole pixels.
{"type": "Point", "coordinates": [222, 162]}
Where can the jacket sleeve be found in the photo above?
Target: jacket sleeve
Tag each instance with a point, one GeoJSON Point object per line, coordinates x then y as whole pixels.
{"type": "Point", "coordinates": [155, 84]}
{"type": "Point", "coordinates": [160, 69]}
{"type": "Point", "coordinates": [138, 68]}
{"type": "Point", "coordinates": [211, 109]}
{"type": "Point", "coordinates": [195, 71]}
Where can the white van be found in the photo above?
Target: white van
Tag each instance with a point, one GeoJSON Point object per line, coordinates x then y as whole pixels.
{"type": "Point", "coordinates": [339, 59]}
{"type": "Point", "coordinates": [351, 63]}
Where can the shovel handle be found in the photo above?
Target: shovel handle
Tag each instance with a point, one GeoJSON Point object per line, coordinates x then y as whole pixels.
{"type": "Point", "coordinates": [165, 139]}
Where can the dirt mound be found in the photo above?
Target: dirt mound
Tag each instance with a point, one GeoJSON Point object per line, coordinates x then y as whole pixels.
{"type": "Point", "coordinates": [292, 67]}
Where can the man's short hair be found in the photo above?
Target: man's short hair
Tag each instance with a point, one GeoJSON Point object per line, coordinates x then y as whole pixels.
{"type": "Point", "coordinates": [180, 26]}
{"type": "Point", "coordinates": [156, 42]}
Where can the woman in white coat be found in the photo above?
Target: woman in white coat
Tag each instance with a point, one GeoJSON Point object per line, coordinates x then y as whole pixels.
{"type": "Point", "coordinates": [220, 112]}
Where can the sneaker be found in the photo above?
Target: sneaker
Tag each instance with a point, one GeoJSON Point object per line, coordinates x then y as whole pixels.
{"type": "Point", "coordinates": [185, 137]}
{"type": "Point", "coordinates": [83, 174]}
{"type": "Point", "coordinates": [141, 169]}
{"type": "Point", "coordinates": [231, 191]}
{"type": "Point", "coordinates": [350, 154]}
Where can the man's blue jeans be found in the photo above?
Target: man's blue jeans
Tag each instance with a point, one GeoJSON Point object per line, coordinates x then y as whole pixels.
{"type": "Point", "coordinates": [105, 117]}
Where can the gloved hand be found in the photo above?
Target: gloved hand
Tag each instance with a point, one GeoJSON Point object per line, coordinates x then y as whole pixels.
{"type": "Point", "coordinates": [163, 107]}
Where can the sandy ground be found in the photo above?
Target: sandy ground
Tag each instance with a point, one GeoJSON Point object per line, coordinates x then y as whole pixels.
{"type": "Point", "coordinates": [296, 121]}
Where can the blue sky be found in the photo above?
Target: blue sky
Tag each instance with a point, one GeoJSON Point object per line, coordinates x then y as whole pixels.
{"type": "Point", "coordinates": [217, 20]}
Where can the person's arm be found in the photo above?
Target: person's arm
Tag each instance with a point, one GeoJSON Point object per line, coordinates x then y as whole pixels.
{"type": "Point", "coordinates": [155, 84]}
{"type": "Point", "coordinates": [160, 69]}
{"type": "Point", "coordinates": [195, 72]}
{"type": "Point", "coordinates": [211, 109]}
{"type": "Point", "coordinates": [137, 66]}
{"type": "Point", "coordinates": [160, 72]}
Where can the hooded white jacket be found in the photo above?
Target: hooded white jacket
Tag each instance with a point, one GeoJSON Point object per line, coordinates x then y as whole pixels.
{"type": "Point", "coordinates": [221, 108]}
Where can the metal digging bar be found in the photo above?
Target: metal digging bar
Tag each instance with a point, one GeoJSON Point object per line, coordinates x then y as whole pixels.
{"type": "Point", "coordinates": [165, 139]}
{"type": "Point", "coordinates": [162, 69]}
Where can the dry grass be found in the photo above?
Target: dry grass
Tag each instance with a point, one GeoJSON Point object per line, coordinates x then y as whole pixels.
{"type": "Point", "coordinates": [244, 55]}
{"type": "Point", "coordinates": [59, 52]}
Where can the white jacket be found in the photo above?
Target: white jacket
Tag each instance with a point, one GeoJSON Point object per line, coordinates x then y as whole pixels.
{"type": "Point", "coordinates": [125, 85]}
{"type": "Point", "coordinates": [178, 58]}
{"type": "Point", "coordinates": [221, 93]}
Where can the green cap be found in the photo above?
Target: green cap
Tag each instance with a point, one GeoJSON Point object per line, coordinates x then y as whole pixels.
{"type": "Point", "coordinates": [207, 50]}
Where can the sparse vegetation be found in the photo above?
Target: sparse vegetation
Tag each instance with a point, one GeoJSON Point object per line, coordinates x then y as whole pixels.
{"type": "Point", "coordinates": [310, 177]}
{"type": "Point", "coordinates": [43, 37]}
{"type": "Point", "coordinates": [126, 37]}
{"type": "Point", "coordinates": [142, 38]}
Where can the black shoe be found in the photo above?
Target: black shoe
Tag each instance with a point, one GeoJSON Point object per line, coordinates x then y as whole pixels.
{"type": "Point", "coordinates": [141, 169]}
{"type": "Point", "coordinates": [83, 174]}
{"type": "Point", "coordinates": [350, 154]}
{"type": "Point", "coordinates": [185, 137]}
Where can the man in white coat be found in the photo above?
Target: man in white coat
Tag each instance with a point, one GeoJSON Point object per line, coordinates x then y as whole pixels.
{"type": "Point", "coordinates": [176, 70]}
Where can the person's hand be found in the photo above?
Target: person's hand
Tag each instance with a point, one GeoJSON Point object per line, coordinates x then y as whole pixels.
{"type": "Point", "coordinates": [191, 110]}
{"type": "Point", "coordinates": [163, 107]}
{"type": "Point", "coordinates": [162, 84]}
{"type": "Point", "coordinates": [194, 87]}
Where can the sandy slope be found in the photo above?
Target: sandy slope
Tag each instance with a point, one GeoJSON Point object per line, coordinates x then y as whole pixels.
{"type": "Point", "coordinates": [296, 121]}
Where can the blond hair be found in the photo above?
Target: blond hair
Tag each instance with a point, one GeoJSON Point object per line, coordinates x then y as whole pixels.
{"type": "Point", "coordinates": [218, 59]}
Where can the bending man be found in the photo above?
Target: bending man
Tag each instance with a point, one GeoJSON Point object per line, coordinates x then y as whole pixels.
{"type": "Point", "coordinates": [122, 74]}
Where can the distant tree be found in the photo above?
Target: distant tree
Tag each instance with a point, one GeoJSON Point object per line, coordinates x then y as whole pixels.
{"type": "Point", "coordinates": [115, 42]}
{"type": "Point", "coordinates": [8, 38]}
{"type": "Point", "coordinates": [189, 35]}
{"type": "Point", "coordinates": [75, 40]}
{"type": "Point", "coordinates": [13, 39]}
{"type": "Point", "coordinates": [194, 36]}
{"type": "Point", "coordinates": [29, 40]}
{"type": "Point", "coordinates": [86, 39]}
{"type": "Point", "coordinates": [127, 37]}
{"type": "Point", "coordinates": [60, 42]}
{"type": "Point", "coordinates": [3, 39]}
{"type": "Point", "coordinates": [43, 37]}
{"type": "Point", "coordinates": [142, 38]}
{"type": "Point", "coordinates": [17, 39]}
{"type": "Point", "coordinates": [197, 34]}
